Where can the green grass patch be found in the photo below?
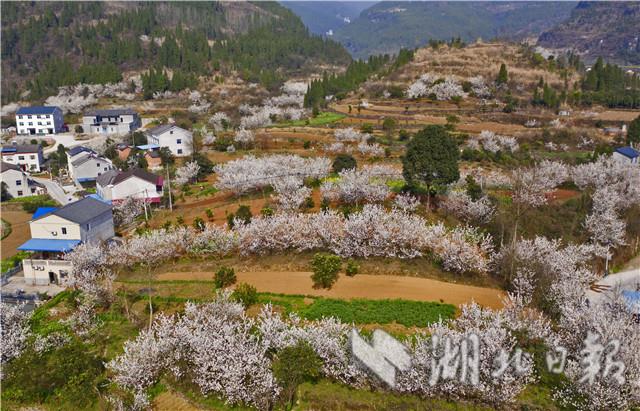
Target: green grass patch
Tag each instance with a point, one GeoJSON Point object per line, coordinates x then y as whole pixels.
{"type": "Point", "coordinates": [208, 191]}
{"type": "Point", "coordinates": [319, 120]}
{"type": "Point", "coordinates": [325, 395]}
{"type": "Point", "coordinates": [361, 311]}
{"type": "Point", "coordinates": [9, 263]}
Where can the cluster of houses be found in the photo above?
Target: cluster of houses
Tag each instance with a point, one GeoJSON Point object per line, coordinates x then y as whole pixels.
{"type": "Point", "coordinates": [84, 164]}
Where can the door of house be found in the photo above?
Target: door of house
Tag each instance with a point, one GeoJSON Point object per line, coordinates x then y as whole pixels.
{"type": "Point", "coordinates": [52, 278]}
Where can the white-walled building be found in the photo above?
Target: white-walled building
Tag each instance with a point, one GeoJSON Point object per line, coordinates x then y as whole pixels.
{"type": "Point", "coordinates": [56, 231]}
{"type": "Point", "coordinates": [28, 156]}
{"type": "Point", "coordinates": [17, 182]}
{"type": "Point", "coordinates": [176, 139]}
{"type": "Point", "coordinates": [627, 155]}
{"type": "Point", "coordinates": [85, 164]}
{"type": "Point", "coordinates": [111, 121]}
{"type": "Point", "coordinates": [116, 185]}
{"type": "Point", "coordinates": [39, 120]}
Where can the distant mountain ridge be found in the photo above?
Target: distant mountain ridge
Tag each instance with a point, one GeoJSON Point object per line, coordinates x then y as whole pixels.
{"type": "Point", "coordinates": [599, 29]}
{"type": "Point", "coordinates": [388, 26]}
{"type": "Point", "coordinates": [324, 16]}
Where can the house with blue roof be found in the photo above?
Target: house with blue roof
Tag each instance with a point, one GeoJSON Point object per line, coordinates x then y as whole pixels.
{"type": "Point", "coordinates": [39, 120]}
{"type": "Point", "coordinates": [627, 155]}
{"type": "Point", "coordinates": [56, 231]}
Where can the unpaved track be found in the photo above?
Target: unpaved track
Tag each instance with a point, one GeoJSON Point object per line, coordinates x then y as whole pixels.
{"type": "Point", "coordinates": [19, 231]}
{"type": "Point", "coordinates": [360, 286]}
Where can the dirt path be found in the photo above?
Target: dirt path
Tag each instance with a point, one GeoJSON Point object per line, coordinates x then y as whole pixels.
{"type": "Point", "coordinates": [20, 232]}
{"type": "Point", "coordinates": [360, 286]}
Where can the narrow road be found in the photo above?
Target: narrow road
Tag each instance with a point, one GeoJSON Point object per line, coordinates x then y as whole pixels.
{"type": "Point", "coordinates": [55, 191]}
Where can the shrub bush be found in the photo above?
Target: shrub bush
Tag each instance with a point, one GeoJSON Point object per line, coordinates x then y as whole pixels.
{"type": "Point", "coordinates": [343, 162]}
{"type": "Point", "coordinates": [245, 294]}
{"type": "Point", "coordinates": [325, 270]}
{"type": "Point", "coordinates": [225, 277]}
{"type": "Point", "coordinates": [352, 268]}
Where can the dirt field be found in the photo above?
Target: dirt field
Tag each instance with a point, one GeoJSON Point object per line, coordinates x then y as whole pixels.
{"type": "Point", "coordinates": [171, 401]}
{"type": "Point", "coordinates": [360, 286]}
{"type": "Point", "coordinates": [20, 233]}
{"type": "Point", "coordinates": [618, 115]}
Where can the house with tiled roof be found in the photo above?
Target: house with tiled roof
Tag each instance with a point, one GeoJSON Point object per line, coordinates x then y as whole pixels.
{"type": "Point", "coordinates": [17, 183]}
{"type": "Point", "coordinates": [85, 164]}
{"type": "Point", "coordinates": [178, 140]}
{"type": "Point", "coordinates": [627, 155]}
{"type": "Point", "coordinates": [116, 186]}
{"type": "Point", "coordinates": [111, 121]}
{"type": "Point", "coordinates": [28, 156]}
{"type": "Point", "coordinates": [39, 120]}
{"type": "Point", "coordinates": [56, 231]}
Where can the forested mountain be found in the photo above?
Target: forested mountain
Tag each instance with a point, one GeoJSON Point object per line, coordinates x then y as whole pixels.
{"type": "Point", "coordinates": [388, 26]}
{"type": "Point", "coordinates": [322, 16]}
{"type": "Point", "coordinates": [599, 29]}
{"type": "Point", "coordinates": [50, 44]}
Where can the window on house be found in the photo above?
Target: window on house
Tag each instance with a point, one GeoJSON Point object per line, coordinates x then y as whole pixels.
{"type": "Point", "coordinates": [171, 132]}
{"type": "Point", "coordinates": [19, 192]}
{"type": "Point", "coordinates": [18, 182]}
{"type": "Point", "coordinates": [98, 164]}
{"type": "Point", "coordinates": [179, 151]}
{"type": "Point", "coordinates": [20, 157]}
{"type": "Point", "coordinates": [33, 190]}
{"type": "Point", "coordinates": [64, 230]}
{"type": "Point", "coordinates": [32, 157]}
{"type": "Point", "coordinates": [179, 141]}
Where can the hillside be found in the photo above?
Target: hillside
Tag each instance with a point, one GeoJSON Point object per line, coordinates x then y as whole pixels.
{"type": "Point", "coordinates": [322, 16]}
{"type": "Point", "coordinates": [388, 26]}
{"type": "Point", "coordinates": [607, 29]}
{"type": "Point", "coordinates": [47, 45]}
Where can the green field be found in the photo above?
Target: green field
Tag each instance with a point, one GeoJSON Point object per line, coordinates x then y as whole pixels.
{"type": "Point", "coordinates": [360, 311]}
{"type": "Point", "coordinates": [319, 120]}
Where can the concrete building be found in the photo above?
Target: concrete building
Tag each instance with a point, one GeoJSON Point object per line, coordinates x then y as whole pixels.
{"type": "Point", "coordinates": [85, 164]}
{"type": "Point", "coordinates": [178, 140]}
{"type": "Point", "coordinates": [28, 156]}
{"type": "Point", "coordinates": [56, 231]}
{"type": "Point", "coordinates": [111, 121]}
{"type": "Point", "coordinates": [627, 155]}
{"type": "Point", "coordinates": [39, 120]}
{"type": "Point", "coordinates": [17, 182]}
{"type": "Point", "coordinates": [116, 185]}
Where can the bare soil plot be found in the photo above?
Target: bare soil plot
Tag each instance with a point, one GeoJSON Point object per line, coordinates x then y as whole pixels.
{"type": "Point", "coordinates": [618, 115]}
{"type": "Point", "coordinates": [360, 286]}
{"type": "Point", "coordinates": [172, 401]}
{"type": "Point", "coordinates": [20, 232]}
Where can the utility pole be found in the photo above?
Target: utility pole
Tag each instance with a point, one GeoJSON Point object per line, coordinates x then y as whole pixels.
{"type": "Point", "coordinates": [146, 216]}
{"type": "Point", "coordinates": [169, 189]}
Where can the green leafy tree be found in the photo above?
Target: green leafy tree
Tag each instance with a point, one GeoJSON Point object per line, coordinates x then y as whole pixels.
{"type": "Point", "coordinates": [473, 188]}
{"type": "Point", "coordinates": [325, 270]}
{"type": "Point", "coordinates": [431, 159]}
{"type": "Point", "coordinates": [633, 132]}
{"type": "Point", "coordinates": [244, 213]}
{"type": "Point", "coordinates": [225, 277]}
{"type": "Point", "coordinates": [166, 156]}
{"type": "Point", "coordinates": [352, 268]}
{"type": "Point", "coordinates": [246, 294]}
{"type": "Point", "coordinates": [293, 366]}
{"type": "Point", "coordinates": [503, 76]}
{"type": "Point", "coordinates": [389, 125]}
{"type": "Point", "coordinates": [343, 162]}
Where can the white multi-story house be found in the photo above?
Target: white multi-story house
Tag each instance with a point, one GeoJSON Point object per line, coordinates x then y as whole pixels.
{"type": "Point", "coordinates": [178, 140]}
{"type": "Point", "coordinates": [28, 156]}
{"type": "Point", "coordinates": [17, 183]}
{"type": "Point", "coordinates": [627, 155]}
{"type": "Point", "coordinates": [110, 121]}
{"type": "Point", "coordinates": [85, 164]}
{"type": "Point", "coordinates": [116, 186]}
{"type": "Point", "coordinates": [56, 231]}
{"type": "Point", "coordinates": [39, 120]}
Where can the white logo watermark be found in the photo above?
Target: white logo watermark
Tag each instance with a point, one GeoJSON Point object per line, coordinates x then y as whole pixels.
{"type": "Point", "coordinates": [385, 356]}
